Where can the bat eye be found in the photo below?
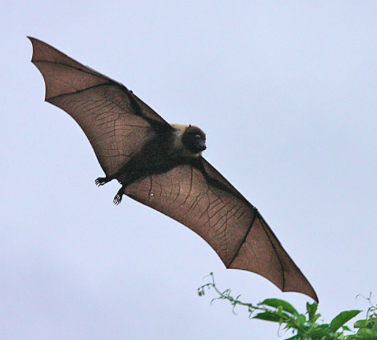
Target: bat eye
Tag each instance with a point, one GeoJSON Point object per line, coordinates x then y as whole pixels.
{"type": "Point", "coordinates": [197, 136]}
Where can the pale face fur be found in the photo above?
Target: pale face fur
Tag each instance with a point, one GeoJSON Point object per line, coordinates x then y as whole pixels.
{"type": "Point", "coordinates": [178, 144]}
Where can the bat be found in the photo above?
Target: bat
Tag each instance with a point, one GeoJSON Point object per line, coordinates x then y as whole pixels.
{"type": "Point", "coordinates": [161, 165]}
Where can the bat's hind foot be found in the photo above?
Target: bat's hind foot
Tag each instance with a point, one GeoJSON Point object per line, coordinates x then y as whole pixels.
{"type": "Point", "coordinates": [118, 197]}
{"type": "Point", "coordinates": [102, 180]}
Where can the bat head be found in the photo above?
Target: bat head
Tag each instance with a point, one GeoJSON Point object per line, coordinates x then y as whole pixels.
{"type": "Point", "coordinates": [190, 139]}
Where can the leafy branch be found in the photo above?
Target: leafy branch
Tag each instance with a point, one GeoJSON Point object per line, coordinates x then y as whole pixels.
{"type": "Point", "coordinates": [304, 326]}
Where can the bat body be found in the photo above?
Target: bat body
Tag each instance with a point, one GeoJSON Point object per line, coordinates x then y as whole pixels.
{"type": "Point", "coordinates": [161, 166]}
{"type": "Point", "coordinates": [172, 146]}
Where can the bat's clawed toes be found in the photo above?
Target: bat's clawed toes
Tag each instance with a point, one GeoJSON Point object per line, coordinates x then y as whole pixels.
{"type": "Point", "coordinates": [117, 199]}
{"type": "Point", "coordinates": [100, 181]}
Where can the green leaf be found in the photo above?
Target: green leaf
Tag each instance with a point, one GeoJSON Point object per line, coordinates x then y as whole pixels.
{"type": "Point", "coordinates": [268, 316]}
{"type": "Point", "coordinates": [311, 309]}
{"type": "Point", "coordinates": [287, 307]}
{"type": "Point", "coordinates": [342, 318]}
{"type": "Point", "coordinates": [360, 323]}
{"type": "Point", "coordinates": [366, 334]}
{"type": "Point", "coordinates": [318, 331]}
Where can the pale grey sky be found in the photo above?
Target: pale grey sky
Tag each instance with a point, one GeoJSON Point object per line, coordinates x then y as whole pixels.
{"type": "Point", "coordinates": [287, 94]}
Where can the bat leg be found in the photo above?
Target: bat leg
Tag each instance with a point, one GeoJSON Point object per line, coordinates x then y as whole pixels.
{"type": "Point", "coordinates": [118, 197]}
{"type": "Point", "coordinates": [103, 180]}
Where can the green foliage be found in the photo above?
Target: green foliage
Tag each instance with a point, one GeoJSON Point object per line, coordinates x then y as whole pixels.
{"type": "Point", "coordinates": [304, 326]}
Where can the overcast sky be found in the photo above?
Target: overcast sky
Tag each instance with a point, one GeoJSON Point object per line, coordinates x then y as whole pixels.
{"type": "Point", "coordinates": [287, 94]}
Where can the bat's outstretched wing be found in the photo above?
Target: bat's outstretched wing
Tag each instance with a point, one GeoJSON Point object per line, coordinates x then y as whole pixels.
{"type": "Point", "coordinates": [203, 200]}
{"type": "Point", "coordinates": [117, 123]}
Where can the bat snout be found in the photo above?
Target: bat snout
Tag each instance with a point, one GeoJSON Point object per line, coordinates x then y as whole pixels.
{"type": "Point", "coordinates": [202, 146]}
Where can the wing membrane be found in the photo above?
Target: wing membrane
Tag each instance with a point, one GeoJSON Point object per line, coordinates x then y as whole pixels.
{"type": "Point", "coordinates": [102, 107]}
{"type": "Point", "coordinates": [225, 220]}
{"type": "Point", "coordinates": [118, 125]}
